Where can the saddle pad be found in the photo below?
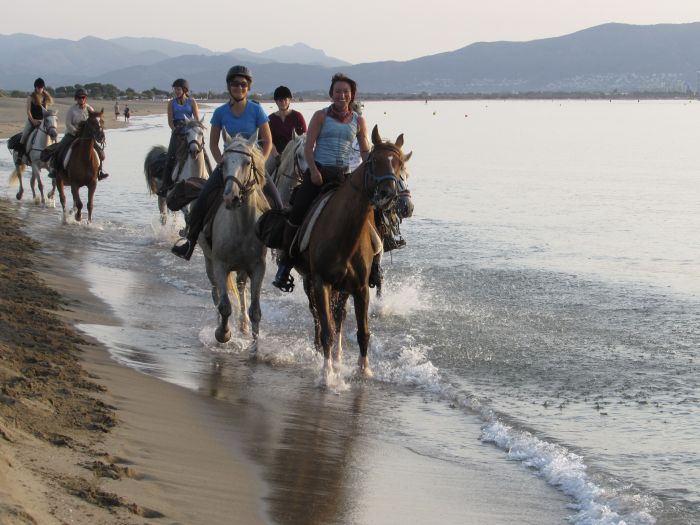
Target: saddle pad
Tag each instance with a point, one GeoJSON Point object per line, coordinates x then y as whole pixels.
{"type": "Point", "coordinates": [303, 237]}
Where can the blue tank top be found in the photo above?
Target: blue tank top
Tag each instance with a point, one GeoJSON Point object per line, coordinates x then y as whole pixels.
{"type": "Point", "coordinates": [334, 142]}
{"type": "Point", "coordinates": [180, 112]}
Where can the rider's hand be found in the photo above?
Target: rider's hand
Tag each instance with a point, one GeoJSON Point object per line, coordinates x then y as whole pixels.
{"type": "Point", "coordinates": [316, 177]}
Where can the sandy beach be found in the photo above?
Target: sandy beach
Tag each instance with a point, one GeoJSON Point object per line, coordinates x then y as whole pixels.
{"type": "Point", "coordinates": [13, 112]}
{"type": "Point", "coordinates": [86, 440]}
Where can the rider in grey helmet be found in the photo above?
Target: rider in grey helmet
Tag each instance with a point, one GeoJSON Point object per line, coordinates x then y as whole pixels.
{"type": "Point", "coordinates": [238, 115]}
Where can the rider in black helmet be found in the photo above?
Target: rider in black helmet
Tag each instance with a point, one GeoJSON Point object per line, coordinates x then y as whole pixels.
{"type": "Point", "coordinates": [37, 102]}
{"type": "Point", "coordinates": [180, 108]}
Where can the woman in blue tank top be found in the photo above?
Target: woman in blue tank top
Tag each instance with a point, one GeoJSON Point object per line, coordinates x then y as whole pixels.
{"type": "Point", "coordinates": [181, 107]}
{"type": "Point", "coordinates": [328, 149]}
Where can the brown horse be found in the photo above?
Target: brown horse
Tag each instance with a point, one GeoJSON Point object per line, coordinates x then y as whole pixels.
{"type": "Point", "coordinates": [341, 247]}
{"type": "Point", "coordinates": [83, 164]}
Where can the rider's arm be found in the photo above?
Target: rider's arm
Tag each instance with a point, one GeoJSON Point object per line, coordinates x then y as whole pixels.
{"type": "Point", "coordinates": [171, 124]}
{"type": "Point", "coordinates": [214, 136]}
{"type": "Point", "coordinates": [362, 140]}
{"type": "Point", "coordinates": [311, 135]}
{"type": "Point", "coordinates": [265, 137]}
{"type": "Point", "coordinates": [195, 109]}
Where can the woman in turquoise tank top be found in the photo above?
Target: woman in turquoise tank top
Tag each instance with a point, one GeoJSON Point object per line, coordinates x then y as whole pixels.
{"type": "Point", "coordinates": [329, 139]}
{"type": "Point", "coordinates": [181, 106]}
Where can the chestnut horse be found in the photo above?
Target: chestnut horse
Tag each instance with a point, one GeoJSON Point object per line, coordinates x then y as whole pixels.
{"type": "Point", "coordinates": [338, 259]}
{"type": "Point", "coordinates": [83, 164]}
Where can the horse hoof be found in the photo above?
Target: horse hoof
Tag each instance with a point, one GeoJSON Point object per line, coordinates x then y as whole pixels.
{"type": "Point", "coordinates": [222, 335]}
{"type": "Point", "coordinates": [19, 195]}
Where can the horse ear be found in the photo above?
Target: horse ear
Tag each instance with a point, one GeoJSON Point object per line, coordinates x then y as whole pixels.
{"type": "Point", "coordinates": [407, 157]}
{"type": "Point", "coordinates": [399, 141]}
{"type": "Point", "coordinates": [227, 137]}
{"type": "Point", "coordinates": [102, 111]}
{"type": "Point", "coordinates": [376, 139]}
{"type": "Point", "coordinates": [201, 119]}
{"type": "Point", "coordinates": [252, 140]}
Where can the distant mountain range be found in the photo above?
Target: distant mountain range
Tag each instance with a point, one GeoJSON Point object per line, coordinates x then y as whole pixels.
{"type": "Point", "coordinates": [606, 58]}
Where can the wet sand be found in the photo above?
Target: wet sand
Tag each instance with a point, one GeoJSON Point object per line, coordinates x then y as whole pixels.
{"type": "Point", "coordinates": [91, 441]}
{"type": "Point", "coordinates": [13, 112]}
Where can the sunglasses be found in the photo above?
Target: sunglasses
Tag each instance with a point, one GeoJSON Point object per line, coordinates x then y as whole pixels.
{"type": "Point", "coordinates": [236, 83]}
{"type": "Point", "coordinates": [82, 98]}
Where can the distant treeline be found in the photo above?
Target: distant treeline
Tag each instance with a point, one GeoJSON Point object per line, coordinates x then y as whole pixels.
{"type": "Point", "coordinates": [97, 90]}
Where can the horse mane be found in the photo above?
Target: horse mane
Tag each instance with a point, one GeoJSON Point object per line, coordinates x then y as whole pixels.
{"type": "Point", "coordinates": [82, 124]}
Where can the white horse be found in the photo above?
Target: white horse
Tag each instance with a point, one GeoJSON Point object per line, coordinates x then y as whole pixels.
{"type": "Point", "coordinates": [234, 246]}
{"type": "Point", "coordinates": [290, 172]}
{"type": "Point", "coordinates": [37, 141]}
{"type": "Point", "coordinates": [191, 162]}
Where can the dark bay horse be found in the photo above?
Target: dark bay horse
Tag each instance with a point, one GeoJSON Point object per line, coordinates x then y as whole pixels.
{"type": "Point", "coordinates": [341, 247]}
{"type": "Point", "coordinates": [83, 164]}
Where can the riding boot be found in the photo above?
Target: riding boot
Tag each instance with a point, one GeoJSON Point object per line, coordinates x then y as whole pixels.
{"type": "Point", "coordinates": [167, 181]}
{"type": "Point", "coordinates": [101, 175]}
{"type": "Point", "coordinates": [196, 223]}
{"type": "Point", "coordinates": [376, 274]}
{"type": "Point", "coordinates": [283, 280]}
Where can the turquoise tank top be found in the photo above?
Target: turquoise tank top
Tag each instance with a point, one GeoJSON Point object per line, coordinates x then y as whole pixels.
{"type": "Point", "coordinates": [334, 142]}
{"type": "Point", "coordinates": [180, 112]}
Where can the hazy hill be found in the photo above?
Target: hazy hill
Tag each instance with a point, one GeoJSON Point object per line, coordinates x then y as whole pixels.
{"type": "Point", "coordinates": [609, 57]}
{"type": "Point", "coordinates": [169, 48]}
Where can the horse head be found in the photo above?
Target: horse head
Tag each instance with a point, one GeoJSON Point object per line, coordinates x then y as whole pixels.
{"type": "Point", "coordinates": [382, 170]}
{"type": "Point", "coordinates": [404, 202]}
{"type": "Point", "coordinates": [194, 135]}
{"type": "Point", "coordinates": [48, 124]}
{"type": "Point", "coordinates": [242, 168]}
{"type": "Point", "coordinates": [93, 127]}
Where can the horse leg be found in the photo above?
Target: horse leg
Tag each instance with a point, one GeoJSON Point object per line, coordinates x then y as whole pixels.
{"type": "Point", "coordinates": [256, 280]}
{"type": "Point", "coordinates": [77, 203]}
{"type": "Point", "coordinates": [40, 185]}
{"type": "Point", "coordinates": [314, 314]}
{"type": "Point", "coordinates": [243, 319]}
{"type": "Point", "coordinates": [163, 211]}
{"type": "Point", "coordinates": [340, 299]}
{"type": "Point", "coordinates": [91, 194]}
{"type": "Point", "coordinates": [62, 198]}
{"type": "Point", "coordinates": [32, 184]}
{"type": "Point", "coordinates": [18, 164]}
{"type": "Point", "coordinates": [322, 300]}
{"type": "Point", "coordinates": [220, 273]}
{"type": "Point", "coordinates": [361, 300]}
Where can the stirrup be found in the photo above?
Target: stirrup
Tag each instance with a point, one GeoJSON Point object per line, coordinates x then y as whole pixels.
{"type": "Point", "coordinates": [283, 280]}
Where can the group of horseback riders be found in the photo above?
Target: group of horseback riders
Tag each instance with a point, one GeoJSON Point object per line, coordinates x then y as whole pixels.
{"type": "Point", "coordinates": [37, 103]}
{"type": "Point", "coordinates": [328, 149]}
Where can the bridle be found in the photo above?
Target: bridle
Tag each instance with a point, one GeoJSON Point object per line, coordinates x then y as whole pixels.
{"type": "Point", "coordinates": [372, 181]}
{"type": "Point", "coordinates": [97, 135]}
{"type": "Point", "coordinates": [46, 130]}
{"type": "Point", "coordinates": [297, 173]}
{"type": "Point", "coordinates": [254, 176]}
{"type": "Point", "coordinates": [196, 141]}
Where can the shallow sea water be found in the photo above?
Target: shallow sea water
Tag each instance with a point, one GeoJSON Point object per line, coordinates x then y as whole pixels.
{"type": "Point", "coordinates": [547, 304]}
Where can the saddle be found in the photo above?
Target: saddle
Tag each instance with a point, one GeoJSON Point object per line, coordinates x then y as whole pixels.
{"type": "Point", "coordinates": [303, 237]}
{"type": "Point", "coordinates": [184, 192]}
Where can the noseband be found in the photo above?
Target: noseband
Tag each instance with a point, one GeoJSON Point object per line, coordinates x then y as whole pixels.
{"type": "Point", "coordinates": [248, 186]}
{"type": "Point", "coordinates": [372, 181]}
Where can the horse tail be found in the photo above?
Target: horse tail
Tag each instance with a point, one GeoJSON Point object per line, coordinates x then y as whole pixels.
{"type": "Point", "coordinates": [15, 175]}
{"type": "Point", "coordinates": [153, 167]}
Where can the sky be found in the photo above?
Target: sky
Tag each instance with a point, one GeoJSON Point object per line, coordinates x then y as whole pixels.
{"type": "Point", "coordinates": [355, 31]}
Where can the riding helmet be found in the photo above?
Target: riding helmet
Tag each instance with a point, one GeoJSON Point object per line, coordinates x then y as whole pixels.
{"type": "Point", "coordinates": [282, 92]}
{"type": "Point", "coordinates": [239, 71]}
{"type": "Point", "coordinates": [39, 82]}
{"type": "Point", "coordinates": [80, 92]}
{"type": "Point", "coordinates": [182, 83]}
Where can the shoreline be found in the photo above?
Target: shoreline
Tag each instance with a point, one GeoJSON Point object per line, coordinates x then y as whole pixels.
{"type": "Point", "coordinates": [85, 439]}
{"type": "Point", "coordinates": [13, 116]}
